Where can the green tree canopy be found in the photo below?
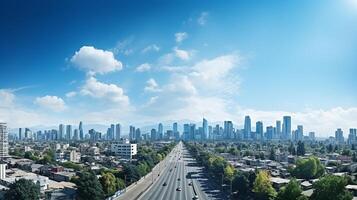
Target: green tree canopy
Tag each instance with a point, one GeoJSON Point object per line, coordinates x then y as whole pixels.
{"type": "Point", "coordinates": [108, 182]}
{"type": "Point", "coordinates": [89, 187]}
{"type": "Point", "coordinates": [291, 191]}
{"type": "Point", "coordinates": [23, 189]}
{"type": "Point", "coordinates": [308, 168]}
{"type": "Point", "coordinates": [331, 187]}
{"type": "Point", "coordinates": [263, 188]}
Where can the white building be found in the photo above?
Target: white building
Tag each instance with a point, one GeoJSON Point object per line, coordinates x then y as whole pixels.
{"type": "Point", "coordinates": [4, 146]}
{"type": "Point", "coordinates": [124, 149]}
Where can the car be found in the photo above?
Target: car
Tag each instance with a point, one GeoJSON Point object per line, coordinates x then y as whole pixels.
{"type": "Point", "coordinates": [179, 179]}
{"type": "Point", "coordinates": [190, 183]}
{"type": "Point", "coordinates": [195, 197]}
{"type": "Point", "coordinates": [158, 174]}
{"type": "Point", "coordinates": [164, 184]}
{"type": "Point", "coordinates": [178, 189]}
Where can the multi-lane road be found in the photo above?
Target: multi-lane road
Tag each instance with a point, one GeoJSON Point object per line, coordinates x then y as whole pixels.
{"type": "Point", "coordinates": [181, 178]}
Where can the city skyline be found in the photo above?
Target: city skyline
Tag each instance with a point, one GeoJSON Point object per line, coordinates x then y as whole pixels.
{"type": "Point", "coordinates": [220, 62]}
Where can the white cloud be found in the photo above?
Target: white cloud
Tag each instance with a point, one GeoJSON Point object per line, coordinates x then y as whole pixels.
{"type": "Point", "coordinates": [71, 94]}
{"type": "Point", "coordinates": [182, 54]}
{"type": "Point", "coordinates": [94, 60]}
{"type": "Point", "coordinates": [152, 86]}
{"type": "Point", "coordinates": [181, 36]}
{"type": "Point", "coordinates": [100, 90]}
{"type": "Point", "coordinates": [143, 67]}
{"type": "Point", "coordinates": [6, 97]}
{"type": "Point", "coordinates": [152, 47]}
{"type": "Point", "coordinates": [202, 19]}
{"type": "Point", "coordinates": [53, 103]}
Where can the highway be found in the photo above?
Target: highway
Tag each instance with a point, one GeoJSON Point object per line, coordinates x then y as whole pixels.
{"type": "Point", "coordinates": [181, 173]}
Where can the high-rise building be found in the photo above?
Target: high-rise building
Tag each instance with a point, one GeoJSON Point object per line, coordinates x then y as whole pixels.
{"type": "Point", "coordinates": [269, 133]}
{"type": "Point", "coordinates": [76, 134]}
{"type": "Point", "coordinates": [352, 137]}
{"type": "Point", "coordinates": [20, 133]}
{"type": "Point", "coordinates": [228, 129]}
{"type": "Point", "coordinates": [117, 132]}
{"type": "Point", "coordinates": [81, 133]}
{"type": "Point", "coordinates": [210, 132]}
{"type": "Point", "coordinates": [4, 145]}
{"type": "Point", "coordinates": [205, 129]}
{"type": "Point", "coordinates": [138, 134]}
{"type": "Point", "coordinates": [300, 133]}
{"type": "Point", "coordinates": [259, 130]}
{"type": "Point", "coordinates": [339, 136]}
{"type": "Point", "coordinates": [69, 132]}
{"type": "Point", "coordinates": [160, 131]}
{"type": "Point", "coordinates": [61, 132]}
{"type": "Point", "coordinates": [175, 131]}
{"type": "Point", "coordinates": [312, 136]}
{"type": "Point", "coordinates": [132, 133]}
{"type": "Point", "coordinates": [278, 130]}
{"type": "Point", "coordinates": [192, 132]}
{"type": "Point", "coordinates": [286, 127]}
{"type": "Point", "coordinates": [247, 128]}
{"type": "Point", "coordinates": [153, 134]}
{"type": "Point", "coordinates": [186, 132]}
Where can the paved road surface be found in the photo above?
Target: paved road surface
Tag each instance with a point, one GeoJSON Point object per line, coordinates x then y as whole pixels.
{"type": "Point", "coordinates": [181, 166]}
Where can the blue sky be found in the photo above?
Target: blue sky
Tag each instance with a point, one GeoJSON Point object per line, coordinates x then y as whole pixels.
{"type": "Point", "coordinates": [140, 62]}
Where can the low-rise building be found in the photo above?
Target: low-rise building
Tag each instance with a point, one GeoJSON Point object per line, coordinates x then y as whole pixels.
{"type": "Point", "coordinates": [124, 149]}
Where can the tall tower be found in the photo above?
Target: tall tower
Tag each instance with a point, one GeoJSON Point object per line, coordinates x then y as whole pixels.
{"type": "Point", "coordinates": [205, 129]}
{"type": "Point", "coordinates": [259, 130]}
{"type": "Point", "coordinates": [117, 131]}
{"type": "Point", "coordinates": [61, 132]}
{"type": "Point", "coordinates": [69, 132]}
{"type": "Point", "coordinates": [247, 128]}
{"type": "Point", "coordinates": [81, 134]}
{"type": "Point", "coordinates": [160, 131]}
{"type": "Point", "coordinates": [4, 145]}
{"type": "Point", "coordinates": [287, 127]}
{"type": "Point", "coordinates": [278, 129]}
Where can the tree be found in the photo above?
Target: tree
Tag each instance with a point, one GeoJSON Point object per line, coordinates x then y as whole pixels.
{"type": "Point", "coordinates": [23, 189]}
{"type": "Point", "coordinates": [291, 191]}
{"type": "Point", "coordinates": [240, 184]}
{"type": "Point", "coordinates": [89, 187]}
{"type": "Point", "coordinates": [229, 172]}
{"type": "Point", "coordinates": [120, 184]}
{"type": "Point", "coordinates": [300, 150]}
{"type": "Point", "coordinates": [108, 182]}
{"type": "Point", "coordinates": [330, 148]}
{"type": "Point", "coordinates": [331, 187]}
{"type": "Point", "coordinates": [263, 188]}
{"type": "Point", "coordinates": [308, 168]}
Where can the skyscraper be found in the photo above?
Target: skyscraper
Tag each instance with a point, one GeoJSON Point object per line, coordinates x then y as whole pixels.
{"type": "Point", "coordinates": [278, 130]}
{"type": "Point", "coordinates": [300, 133]}
{"type": "Point", "coordinates": [175, 131]}
{"type": "Point", "coordinates": [117, 132]}
{"type": "Point", "coordinates": [287, 127]}
{"type": "Point", "coordinates": [69, 132]}
{"type": "Point", "coordinates": [138, 134]}
{"type": "Point", "coordinates": [81, 133]}
{"type": "Point", "coordinates": [259, 130]}
{"type": "Point", "coordinates": [76, 134]}
{"type": "Point", "coordinates": [153, 134]}
{"type": "Point", "coordinates": [20, 133]}
{"type": "Point", "coordinates": [339, 136]}
{"type": "Point", "coordinates": [247, 128]}
{"type": "Point", "coordinates": [205, 129]}
{"type": "Point", "coordinates": [186, 131]}
{"type": "Point", "coordinates": [160, 131]}
{"type": "Point", "coordinates": [4, 145]}
{"type": "Point", "coordinates": [228, 129]}
{"type": "Point", "coordinates": [132, 133]}
{"type": "Point", "coordinates": [61, 132]}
